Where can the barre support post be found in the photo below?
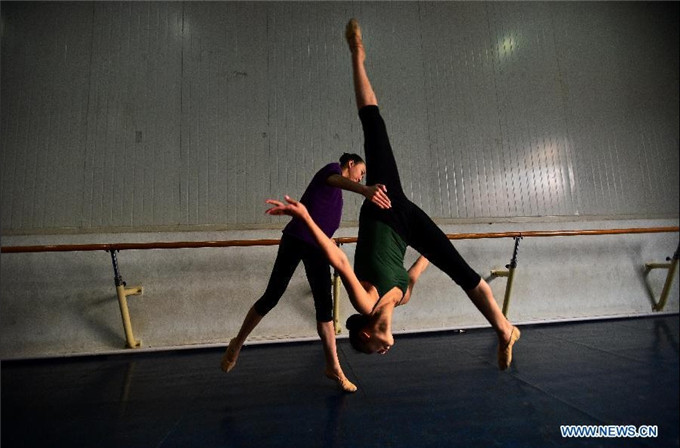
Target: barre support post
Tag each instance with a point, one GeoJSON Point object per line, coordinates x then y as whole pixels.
{"type": "Point", "coordinates": [122, 292]}
{"type": "Point", "coordinates": [336, 302]}
{"type": "Point", "coordinates": [510, 274]}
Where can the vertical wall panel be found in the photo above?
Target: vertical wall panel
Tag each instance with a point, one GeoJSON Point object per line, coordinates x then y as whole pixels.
{"type": "Point", "coordinates": [143, 115]}
{"type": "Point", "coordinates": [44, 92]}
{"type": "Point", "coordinates": [131, 170]}
{"type": "Point", "coordinates": [223, 110]}
{"type": "Point", "coordinates": [616, 63]}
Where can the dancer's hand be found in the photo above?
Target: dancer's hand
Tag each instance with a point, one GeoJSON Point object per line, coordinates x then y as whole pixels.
{"type": "Point", "coordinates": [377, 194]}
{"type": "Point", "coordinates": [293, 208]}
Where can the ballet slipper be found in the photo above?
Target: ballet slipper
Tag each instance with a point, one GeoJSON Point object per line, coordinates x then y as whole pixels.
{"type": "Point", "coordinates": [342, 382]}
{"type": "Point", "coordinates": [505, 353]}
{"type": "Point", "coordinates": [229, 358]}
{"type": "Point", "coordinates": [353, 34]}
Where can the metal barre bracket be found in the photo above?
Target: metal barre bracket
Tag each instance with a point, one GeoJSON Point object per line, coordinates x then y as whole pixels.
{"type": "Point", "coordinates": [672, 267]}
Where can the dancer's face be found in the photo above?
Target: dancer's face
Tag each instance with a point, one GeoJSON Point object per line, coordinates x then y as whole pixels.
{"type": "Point", "coordinates": [356, 171]}
{"type": "Point", "coordinates": [377, 342]}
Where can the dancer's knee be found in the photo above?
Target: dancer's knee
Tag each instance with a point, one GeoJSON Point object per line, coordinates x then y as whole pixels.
{"type": "Point", "coordinates": [470, 282]}
{"type": "Point", "coordinates": [265, 305]}
{"type": "Point", "coordinates": [324, 315]}
{"type": "Point", "coordinates": [473, 287]}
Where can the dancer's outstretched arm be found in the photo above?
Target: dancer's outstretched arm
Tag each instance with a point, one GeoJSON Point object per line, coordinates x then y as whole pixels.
{"type": "Point", "coordinates": [375, 193]}
{"type": "Point", "coordinates": [360, 299]}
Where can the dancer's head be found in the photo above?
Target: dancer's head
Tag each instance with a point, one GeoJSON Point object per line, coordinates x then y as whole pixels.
{"type": "Point", "coordinates": [367, 336]}
{"type": "Point", "coordinates": [353, 167]}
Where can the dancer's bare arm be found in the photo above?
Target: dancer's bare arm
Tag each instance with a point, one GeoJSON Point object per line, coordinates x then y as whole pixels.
{"type": "Point", "coordinates": [413, 275]}
{"type": "Point", "coordinates": [360, 299]}
{"type": "Point", "coordinates": [374, 193]}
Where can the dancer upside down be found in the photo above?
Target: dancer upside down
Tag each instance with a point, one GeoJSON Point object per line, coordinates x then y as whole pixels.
{"type": "Point", "coordinates": [379, 282]}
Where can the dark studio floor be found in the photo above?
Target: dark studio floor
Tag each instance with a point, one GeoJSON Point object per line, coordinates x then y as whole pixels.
{"type": "Point", "coordinates": [431, 390]}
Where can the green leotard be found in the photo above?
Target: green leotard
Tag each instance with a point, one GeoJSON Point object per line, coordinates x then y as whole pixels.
{"type": "Point", "coordinates": [379, 257]}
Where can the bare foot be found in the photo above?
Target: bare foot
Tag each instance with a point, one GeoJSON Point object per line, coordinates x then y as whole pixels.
{"type": "Point", "coordinates": [353, 36]}
{"type": "Point", "coordinates": [230, 356]}
{"type": "Point", "coordinates": [342, 381]}
{"type": "Point", "coordinates": [505, 349]}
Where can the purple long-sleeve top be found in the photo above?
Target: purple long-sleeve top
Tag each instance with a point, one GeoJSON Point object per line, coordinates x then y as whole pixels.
{"type": "Point", "coordinates": [324, 204]}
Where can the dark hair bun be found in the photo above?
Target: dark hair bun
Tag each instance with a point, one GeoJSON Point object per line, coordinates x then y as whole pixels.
{"type": "Point", "coordinates": [356, 322]}
{"type": "Point", "coordinates": [347, 157]}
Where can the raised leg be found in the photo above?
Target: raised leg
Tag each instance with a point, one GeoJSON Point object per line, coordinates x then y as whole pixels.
{"type": "Point", "coordinates": [365, 96]}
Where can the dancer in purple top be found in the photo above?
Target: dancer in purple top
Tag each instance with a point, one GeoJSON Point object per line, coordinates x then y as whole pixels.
{"type": "Point", "coordinates": [323, 199]}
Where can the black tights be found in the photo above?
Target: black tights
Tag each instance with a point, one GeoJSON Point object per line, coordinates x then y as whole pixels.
{"type": "Point", "coordinates": [291, 252]}
{"type": "Point", "coordinates": [407, 219]}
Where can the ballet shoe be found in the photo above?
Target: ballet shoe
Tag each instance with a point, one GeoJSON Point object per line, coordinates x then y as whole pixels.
{"type": "Point", "coordinates": [342, 382]}
{"type": "Point", "coordinates": [505, 353]}
{"type": "Point", "coordinates": [229, 358]}
{"type": "Point", "coordinates": [353, 34]}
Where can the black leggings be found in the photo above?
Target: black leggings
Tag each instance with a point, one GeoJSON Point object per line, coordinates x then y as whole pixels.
{"type": "Point", "coordinates": [291, 252]}
{"type": "Point", "coordinates": [407, 219]}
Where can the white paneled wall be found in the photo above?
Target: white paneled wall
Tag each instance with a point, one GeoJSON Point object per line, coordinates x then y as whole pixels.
{"type": "Point", "coordinates": [182, 117]}
{"type": "Point", "coordinates": [139, 115]}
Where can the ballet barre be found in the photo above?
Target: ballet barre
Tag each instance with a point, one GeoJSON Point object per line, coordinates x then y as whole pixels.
{"type": "Point", "coordinates": [122, 291]}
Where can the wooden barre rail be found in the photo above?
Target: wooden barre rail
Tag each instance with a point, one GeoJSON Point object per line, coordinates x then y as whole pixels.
{"type": "Point", "coordinates": [136, 246]}
{"type": "Point", "coordinates": [341, 240]}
